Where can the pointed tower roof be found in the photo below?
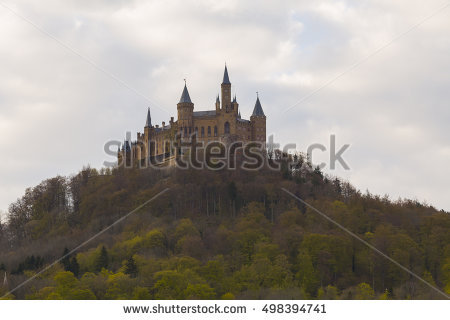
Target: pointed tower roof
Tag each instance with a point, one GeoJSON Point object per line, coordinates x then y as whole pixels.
{"type": "Point", "coordinates": [185, 98]}
{"type": "Point", "coordinates": [234, 99]}
{"type": "Point", "coordinates": [148, 123]}
{"type": "Point", "coordinates": [239, 114]}
{"type": "Point", "coordinates": [217, 99]}
{"type": "Point", "coordinates": [258, 111]}
{"type": "Point", "coordinates": [226, 79]}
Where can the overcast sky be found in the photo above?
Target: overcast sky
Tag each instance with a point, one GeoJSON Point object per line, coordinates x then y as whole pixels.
{"type": "Point", "coordinates": [77, 73]}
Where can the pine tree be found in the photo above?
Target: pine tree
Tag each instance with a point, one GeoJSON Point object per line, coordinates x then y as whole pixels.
{"type": "Point", "coordinates": [74, 266]}
{"type": "Point", "coordinates": [65, 261]}
{"type": "Point", "coordinates": [102, 260]}
{"type": "Point", "coordinates": [131, 268]}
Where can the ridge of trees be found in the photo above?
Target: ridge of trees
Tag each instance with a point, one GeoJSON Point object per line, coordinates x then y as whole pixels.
{"type": "Point", "coordinates": [220, 235]}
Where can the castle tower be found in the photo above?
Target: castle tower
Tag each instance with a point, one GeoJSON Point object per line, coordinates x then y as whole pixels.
{"type": "Point", "coordinates": [147, 135]}
{"type": "Point", "coordinates": [235, 106]}
{"type": "Point", "coordinates": [217, 105]}
{"type": "Point", "coordinates": [226, 91]}
{"type": "Point", "coordinates": [258, 121]}
{"type": "Point", "coordinates": [185, 111]}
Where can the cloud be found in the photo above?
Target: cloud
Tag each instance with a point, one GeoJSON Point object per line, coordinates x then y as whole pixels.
{"type": "Point", "coordinates": [57, 110]}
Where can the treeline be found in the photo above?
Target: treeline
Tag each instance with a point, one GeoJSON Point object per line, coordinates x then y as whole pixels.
{"type": "Point", "coordinates": [220, 235]}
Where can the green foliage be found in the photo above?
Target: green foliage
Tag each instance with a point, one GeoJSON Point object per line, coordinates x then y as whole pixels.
{"type": "Point", "coordinates": [328, 293]}
{"type": "Point", "coordinates": [131, 268]}
{"type": "Point", "coordinates": [199, 291]}
{"type": "Point", "coordinates": [228, 296]}
{"type": "Point", "coordinates": [169, 285]}
{"type": "Point", "coordinates": [101, 262]}
{"type": "Point", "coordinates": [221, 235]}
{"type": "Point", "coordinates": [67, 287]}
{"type": "Point", "coordinates": [364, 292]}
{"type": "Point", "coordinates": [30, 263]}
{"type": "Point", "coordinates": [306, 275]}
{"type": "Point", "coordinates": [140, 293]}
{"type": "Point", "coordinates": [119, 286]}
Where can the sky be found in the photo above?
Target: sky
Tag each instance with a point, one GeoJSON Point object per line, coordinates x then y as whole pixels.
{"type": "Point", "coordinates": [75, 74]}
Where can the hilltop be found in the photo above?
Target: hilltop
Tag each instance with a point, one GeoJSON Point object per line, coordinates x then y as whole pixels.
{"type": "Point", "coordinates": [219, 235]}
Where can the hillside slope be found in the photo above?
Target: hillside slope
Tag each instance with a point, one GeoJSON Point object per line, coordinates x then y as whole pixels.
{"type": "Point", "coordinates": [219, 234]}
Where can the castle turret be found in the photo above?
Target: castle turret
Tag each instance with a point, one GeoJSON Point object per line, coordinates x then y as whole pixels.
{"type": "Point", "coordinates": [258, 120]}
{"type": "Point", "coordinates": [217, 104]}
{"type": "Point", "coordinates": [185, 111]}
{"type": "Point", "coordinates": [147, 135]}
{"type": "Point", "coordinates": [148, 122]}
{"type": "Point", "coordinates": [235, 106]}
{"type": "Point", "coordinates": [226, 91]}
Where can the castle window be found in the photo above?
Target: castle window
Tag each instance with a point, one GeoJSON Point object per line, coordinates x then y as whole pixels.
{"type": "Point", "coordinates": [190, 130]}
{"type": "Point", "coordinates": [203, 132]}
{"type": "Point", "coordinates": [215, 131]}
{"type": "Point", "coordinates": [209, 131]}
{"type": "Point", "coordinates": [185, 131]}
{"type": "Point", "coordinates": [227, 127]}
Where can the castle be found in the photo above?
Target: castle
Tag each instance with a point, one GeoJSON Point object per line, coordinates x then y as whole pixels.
{"type": "Point", "coordinates": [224, 124]}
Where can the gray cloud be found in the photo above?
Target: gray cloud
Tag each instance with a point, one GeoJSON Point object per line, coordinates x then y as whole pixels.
{"type": "Point", "coordinates": [57, 111]}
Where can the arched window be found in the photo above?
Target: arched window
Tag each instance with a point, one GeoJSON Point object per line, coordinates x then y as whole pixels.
{"type": "Point", "coordinates": [215, 131]}
{"type": "Point", "coordinates": [227, 127]}
{"type": "Point", "coordinates": [203, 132]}
{"type": "Point", "coordinates": [185, 131]}
{"type": "Point", "coordinates": [209, 131]}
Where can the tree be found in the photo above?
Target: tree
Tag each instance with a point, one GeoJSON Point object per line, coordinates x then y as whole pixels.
{"type": "Point", "coordinates": [65, 261]}
{"type": "Point", "coordinates": [140, 293]}
{"type": "Point", "coordinates": [199, 291]}
{"type": "Point", "coordinates": [364, 292]}
{"type": "Point", "coordinates": [232, 193]}
{"type": "Point", "coordinates": [120, 286]}
{"type": "Point", "coordinates": [306, 275]}
{"type": "Point", "coordinates": [102, 260]}
{"type": "Point", "coordinates": [131, 268]}
{"type": "Point", "coordinates": [74, 267]}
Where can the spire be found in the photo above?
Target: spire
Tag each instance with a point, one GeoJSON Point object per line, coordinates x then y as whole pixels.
{"type": "Point", "coordinates": [258, 111]}
{"type": "Point", "coordinates": [217, 99]}
{"type": "Point", "coordinates": [226, 79]}
{"type": "Point", "coordinates": [127, 146]}
{"type": "Point", "coordinates": [148, 123]}
{"type": "Point", "coordinates": [239, 114]}
{"type": "Point", "coordinates": [185, 95]}
{"type": "Point", "coordinates": [234, 99]}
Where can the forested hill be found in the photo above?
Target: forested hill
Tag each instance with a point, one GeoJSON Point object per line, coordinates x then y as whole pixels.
{"type": "Point", "coordinates": [219, 235]}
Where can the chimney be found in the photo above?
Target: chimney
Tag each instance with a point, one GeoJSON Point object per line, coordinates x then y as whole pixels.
{"type": "Point", "coordinates": [171, 119]}
{"type": "Point", "coordinates": [163, 124]}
